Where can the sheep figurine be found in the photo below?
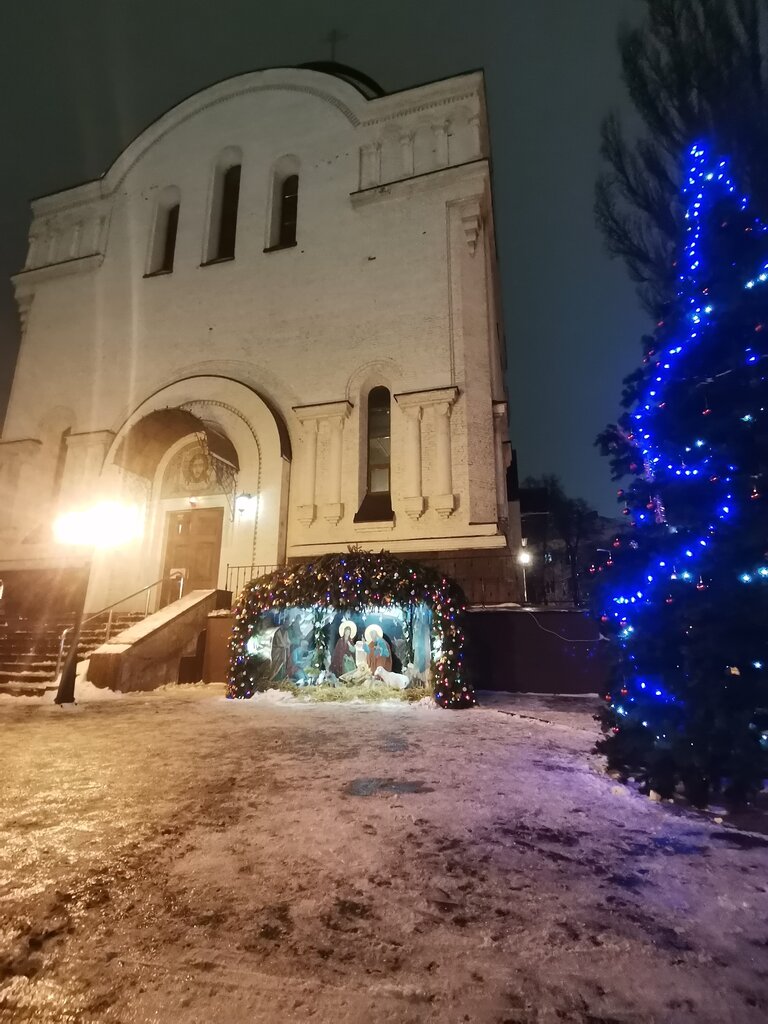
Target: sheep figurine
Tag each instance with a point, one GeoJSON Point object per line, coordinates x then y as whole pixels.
{"type": "Point", "coordinates": [393, 679]}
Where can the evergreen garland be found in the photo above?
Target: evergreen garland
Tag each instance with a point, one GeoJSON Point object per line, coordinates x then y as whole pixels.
{"type": "Point", "coordinates": [358, 582]}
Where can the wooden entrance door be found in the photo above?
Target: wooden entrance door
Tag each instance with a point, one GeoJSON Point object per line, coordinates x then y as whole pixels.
{"type": "Point", "coordinates": [193, 546]}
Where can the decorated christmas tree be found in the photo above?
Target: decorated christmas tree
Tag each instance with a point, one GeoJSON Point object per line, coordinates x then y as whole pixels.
{"type": "Point", "coordinates": [686, 596]}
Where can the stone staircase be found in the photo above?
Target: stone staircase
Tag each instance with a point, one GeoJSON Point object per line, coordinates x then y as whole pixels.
{"type": "Point", "coordinates": [29, 650]}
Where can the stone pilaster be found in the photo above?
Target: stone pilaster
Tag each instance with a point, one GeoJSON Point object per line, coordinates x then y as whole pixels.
{"type": "Point", "coordinates": [413, 411]}
{"type": "Point", "coordinates": [440, 402]}
{"type": "Point", "coordinates": [84, 462]}
{"type": "Point", "coordinates": [444, 501]}
{"type": "Point", "coordinates": [307, 511]}
{"type": "Point", "coordinates": [442, 155]}
{"type": "Point", "coordinates": [333, 509]}
{"type": "Point", "coordinates": [476, 146]}
{"type": "Point", "coordinates": [500, 437]}
{"type": "Point", "coordinates": [18, 461]}
{"type": "Point", "coordinates": [370, 165]}
{"type": "Point", "coordinates": [406, 152]}
{"type": "Point", "coordinates": [328, 418]}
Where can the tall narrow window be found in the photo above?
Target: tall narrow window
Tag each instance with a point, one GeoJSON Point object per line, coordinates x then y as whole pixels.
{"type": "Point", "coordinates": [163, 242]}
{"type": "Point", "coordinates": [283, 203]}
{"type": "Point", "coordinates": [378, 441]}
{"type": "Point", "coordinates": [169, 242]}
{"type": "Point", "coordinates": [289, 200]}
{"type": "Point", "coordinates": [230, 197]}
{"type": "Point", "coordinates": [224, 200]}
{"type": "Point", "coordinates": [377, 504]}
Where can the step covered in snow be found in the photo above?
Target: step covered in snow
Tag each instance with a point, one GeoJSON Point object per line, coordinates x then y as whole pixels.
{"type": "Point", "coordinates": [163, 648]}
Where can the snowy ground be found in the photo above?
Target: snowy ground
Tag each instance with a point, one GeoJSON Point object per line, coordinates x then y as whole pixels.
{"type": "Point", "coordinates": [178, 858]}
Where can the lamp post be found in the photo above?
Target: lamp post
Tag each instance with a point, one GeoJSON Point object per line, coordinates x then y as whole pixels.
{"type": "Point", "coordinates": [105, 525]}
{"type": "Point", "coordinates": [524, 559]}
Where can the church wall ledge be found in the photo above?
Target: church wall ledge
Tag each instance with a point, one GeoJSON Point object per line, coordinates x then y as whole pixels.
{"type": "Point", "coordinates": [395, 106]}
{"type": "Point", "coordinates": [51, 561]}
{"type": "Point", "coordinates": [465, 542]}
{"type": "Point", "coordinates": [50, 271]}
{"type": "Point", "coordinates": [403, 187]}
{"type": "Point", "coordinates": [23, 444]}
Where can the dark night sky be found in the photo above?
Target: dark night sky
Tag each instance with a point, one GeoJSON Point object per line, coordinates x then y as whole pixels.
{"type": "Point", "coordinates": [80, 79]}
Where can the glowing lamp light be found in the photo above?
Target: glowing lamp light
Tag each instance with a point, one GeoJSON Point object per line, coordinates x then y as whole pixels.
{"type": "Point", "coordinates": [525, 557]}
{"type": "Point", "coordinates": [245, 503]}
{"type": "Point", "coordinates": [104, 525]}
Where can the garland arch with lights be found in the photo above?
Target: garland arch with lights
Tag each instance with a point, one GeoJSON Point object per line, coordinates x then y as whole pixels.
{"type": "Point", "coordinates": [364, 584]}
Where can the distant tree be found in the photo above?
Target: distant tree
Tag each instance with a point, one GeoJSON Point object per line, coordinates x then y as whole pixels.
{"type": "Point", "coordinates": [694, 69]}
{"type": "Point", "coordinates": [571, 521]}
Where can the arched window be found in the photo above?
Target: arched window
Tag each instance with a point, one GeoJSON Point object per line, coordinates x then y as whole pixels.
{"type": "Point", "coordinates": [162, 248]}
{"type": "Point", "coordinates": [230, 198]}
{"type": "Point", "coordinates": [377, 503]}
{"type": "Point", "coordinates": [225, 198]}
{"type": "Point", "coordinates": [282, 214]}
{"type": "Point", "coordinates": [289, 202]}
{"type": "Point", "coordinates": [378, 441]}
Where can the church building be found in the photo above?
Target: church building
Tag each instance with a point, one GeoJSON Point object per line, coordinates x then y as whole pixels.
{"type": "Point", "coordinates": [270, 331]}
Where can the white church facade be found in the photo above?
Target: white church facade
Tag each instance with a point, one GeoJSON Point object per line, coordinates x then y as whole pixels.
{"type": "Point", "coordinates": [272, 330]}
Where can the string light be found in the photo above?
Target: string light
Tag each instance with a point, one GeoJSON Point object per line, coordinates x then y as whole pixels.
{"type": "Point", "coordinates": [700, 182]}
{"type": "Point", "coordinates": [664, 463]}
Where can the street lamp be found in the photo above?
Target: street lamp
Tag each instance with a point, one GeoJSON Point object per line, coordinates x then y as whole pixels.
{"type": "Point", "coordinates": [524, 558]}
{"type": "Point", "coordinates": [104, 525]}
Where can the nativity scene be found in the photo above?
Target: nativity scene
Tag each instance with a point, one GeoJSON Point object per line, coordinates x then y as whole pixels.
{"type": "Point", "coordinates": [358, 620]}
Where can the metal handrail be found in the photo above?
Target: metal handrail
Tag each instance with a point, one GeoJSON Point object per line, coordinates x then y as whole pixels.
{"type": "Point", "coordinates": [110, 608]}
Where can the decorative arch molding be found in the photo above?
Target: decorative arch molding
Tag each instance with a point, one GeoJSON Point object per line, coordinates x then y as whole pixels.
{"type": "Point", "coordinates": [378, 371]}
{"type": "Point", "coordinates": [248, 420]}
{"type": "Point", "coordinates": [286, 164]}
{"type": "Point", "coordinates": [221, 93]}
{"type": "Point", "coordinates": [335, 92]}
{"type": "Point", "coordinates": [258, 453]}
{"type": "Point", "coordinates": [211, 388]}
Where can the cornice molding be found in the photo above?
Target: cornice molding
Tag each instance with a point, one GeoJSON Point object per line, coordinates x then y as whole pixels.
{"type": "Point", "coordinates": [423, 399]}
{"type": "Point", "coordinates": [28, 279]}
{"type": "Point", "coordinates": [419, 108]}
{"type": "Point", "coordinates": [323, 411]}
{"type": "Point", "coordinates": [440, 177]}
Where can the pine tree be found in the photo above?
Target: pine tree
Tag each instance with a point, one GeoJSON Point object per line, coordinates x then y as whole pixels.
{"type": "Point", "coordinates": [693, 69]}
{"type": "Point", "coordinates": [568, 522]}
{"type": "Point", "coordinates": [687, 596]}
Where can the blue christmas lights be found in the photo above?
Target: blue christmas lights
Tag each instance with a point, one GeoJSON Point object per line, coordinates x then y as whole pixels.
{"type": "Point", "coordinates": [703, 183]}
{"type": "Point", "coordinates": [707, 182]}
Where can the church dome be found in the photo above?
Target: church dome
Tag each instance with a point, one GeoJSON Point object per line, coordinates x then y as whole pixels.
{"type": "Point", "coordinates": [367, 86]}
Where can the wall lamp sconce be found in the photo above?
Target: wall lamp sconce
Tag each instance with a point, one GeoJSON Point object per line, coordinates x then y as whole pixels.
{"type": "Point", "coordinates": [245, 503]}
